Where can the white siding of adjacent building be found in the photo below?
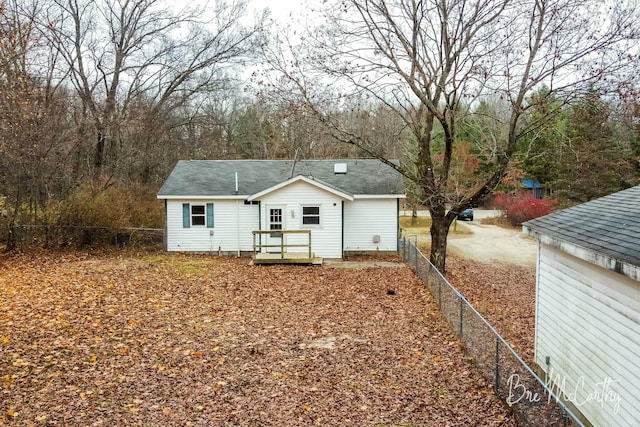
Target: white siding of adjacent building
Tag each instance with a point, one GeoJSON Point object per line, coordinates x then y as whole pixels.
{"type": "Point", "coordinates": [588, 324]}
{"type": "Point", "coordinates": [233, 223]}
{"type": "Point", "coordinates": [326, 239]}
{"type": "Point", "coordinates": [366, 218]}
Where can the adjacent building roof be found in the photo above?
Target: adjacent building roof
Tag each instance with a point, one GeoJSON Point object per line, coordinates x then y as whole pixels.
{"type": "Point", "coordinates": [608, 227]}
{"type": "Point", "coordinates": [530, 183]}
{"type": "Point", "coordinates": [217, 178]}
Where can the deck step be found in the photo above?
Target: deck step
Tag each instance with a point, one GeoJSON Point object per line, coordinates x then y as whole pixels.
{"type": "Point", "coordinates": [288, 258]}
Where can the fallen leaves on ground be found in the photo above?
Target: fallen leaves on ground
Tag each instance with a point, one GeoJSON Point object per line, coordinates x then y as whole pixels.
{"type": "Point", "coordinates": [196, 340]}
{"type": "Point", "coordinates": [504, 294]}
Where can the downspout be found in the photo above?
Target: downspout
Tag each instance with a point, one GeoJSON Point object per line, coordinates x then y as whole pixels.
{"type": "Point", "coordinates": [260, 224]}
{"type": "Point", "coordinates": [398, 230]}
{"type": "Point", "coordinates": [342, 232]}
{"type": "Point", "coordinates": [237, 222]}
{"type": "Point", "coordinates": [166, 230]}
{"type": "Point", "coordinates": [237, 218]}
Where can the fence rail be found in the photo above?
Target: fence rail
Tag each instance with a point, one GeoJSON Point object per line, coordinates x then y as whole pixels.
{"type": "Point", "coordinates": [532, 402]}
{"type": "Point", "coordinates": [80, 235]}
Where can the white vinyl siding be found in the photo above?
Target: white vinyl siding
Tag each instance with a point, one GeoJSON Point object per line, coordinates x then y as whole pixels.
{"type": "Point", "coordinates": [234, 220]}
{"type": "Point", "coordinates": [588, 324]}
{"type": "Point", "coordinates": [230, 231]}
{"type": "Point", "coordinates": [326, 240]}
{"type": "Point", "coordinates": [366, 218]}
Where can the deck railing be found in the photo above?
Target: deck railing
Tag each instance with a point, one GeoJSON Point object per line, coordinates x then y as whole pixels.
{"type": "Point", "coordinates": [283, 245]}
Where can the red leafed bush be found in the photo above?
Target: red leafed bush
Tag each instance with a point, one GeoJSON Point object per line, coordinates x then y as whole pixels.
{"type": "Point", "coordinates": [522, 207]}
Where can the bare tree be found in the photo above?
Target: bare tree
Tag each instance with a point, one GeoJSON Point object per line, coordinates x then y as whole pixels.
{"type": "Point", "coordinates": [125, 52]}
{"type": "Point", "coordinates": [35, 141]}
{"type": "Point", "coordinates": [431, 61]}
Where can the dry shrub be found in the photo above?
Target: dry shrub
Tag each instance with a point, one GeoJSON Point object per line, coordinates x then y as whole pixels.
{"type": "Point", "coordinates": [98, 214]}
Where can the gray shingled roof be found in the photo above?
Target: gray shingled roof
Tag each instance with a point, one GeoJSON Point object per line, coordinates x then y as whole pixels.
{"type": "Point", "coordinates": [210, 178]}
{"type": "Point", "coordinates": [609, 225]}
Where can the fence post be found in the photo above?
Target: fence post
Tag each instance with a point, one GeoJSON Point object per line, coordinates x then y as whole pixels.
{"type": "Point", "coordinates": [460, 297]}
{"type": "Point", "coordinates": [440, 294]}
{"type": "Point", "coordinates": [496, 385]}
{"type": "Point", "coordinates": [404, 247]}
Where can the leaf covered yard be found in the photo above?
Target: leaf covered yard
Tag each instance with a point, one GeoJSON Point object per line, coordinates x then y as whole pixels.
{"type": "Point", "coordinates": [195, 340]}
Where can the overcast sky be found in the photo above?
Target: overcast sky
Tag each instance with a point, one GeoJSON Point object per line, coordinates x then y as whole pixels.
{"type": "Point", "coordinates": [283, 11]}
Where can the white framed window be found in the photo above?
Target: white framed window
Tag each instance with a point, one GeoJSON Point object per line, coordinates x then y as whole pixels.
{"type": "Point", "coordinates": [311, 216]}
{"type": "Point", "coordinates": [198, 215]}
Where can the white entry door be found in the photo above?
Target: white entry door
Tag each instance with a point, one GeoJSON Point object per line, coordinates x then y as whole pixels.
{"type": "Point", "coordinates": [276, 222]}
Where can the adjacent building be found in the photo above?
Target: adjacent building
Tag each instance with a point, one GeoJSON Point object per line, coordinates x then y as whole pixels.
{"type": "Point", "coordinates": [587, 337]}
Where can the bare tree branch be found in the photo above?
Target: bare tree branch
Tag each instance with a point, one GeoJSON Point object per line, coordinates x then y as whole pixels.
{"type": "Point", "coordinates": [433, 61]}
{"type": "Point", "coordinates": [122, 51]}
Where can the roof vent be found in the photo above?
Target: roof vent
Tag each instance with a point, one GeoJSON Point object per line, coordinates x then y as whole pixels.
{"type": "Point", "coordinates": [340, 168]}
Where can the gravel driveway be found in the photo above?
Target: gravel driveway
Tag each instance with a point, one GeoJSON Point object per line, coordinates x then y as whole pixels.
{"type": "Point", "coordinates": [490, 243]}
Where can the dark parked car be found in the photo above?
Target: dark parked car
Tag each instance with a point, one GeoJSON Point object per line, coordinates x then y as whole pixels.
{"type": "Point", "coordinates": [466, 214]}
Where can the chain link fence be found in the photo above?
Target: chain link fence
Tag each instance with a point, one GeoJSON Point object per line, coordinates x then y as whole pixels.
{"type": "Point", "coordinates": [52, 236]}
{"type": "Point", "coordinates": [532, 402]}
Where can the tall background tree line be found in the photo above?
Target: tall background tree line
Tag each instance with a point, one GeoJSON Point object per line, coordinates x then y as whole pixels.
{"type": "Point", "coordinates": [99, 99]}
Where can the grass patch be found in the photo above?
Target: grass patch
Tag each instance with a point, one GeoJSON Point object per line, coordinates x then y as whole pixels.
{"type": "Point", "coordinates": [499, 221]}
{"type": "Point", "coordinates": [459, 227]}
{"type": "Point", "coordinates": [423, 224]}
{"type": "Point", "coordinates": [195, 266]}
{"type": "Point", "coordinates": [420, 221]}
{"type": "Point", "coordinates": [183, 264]}
{"type": "Point", "coordinates": [154, 260]}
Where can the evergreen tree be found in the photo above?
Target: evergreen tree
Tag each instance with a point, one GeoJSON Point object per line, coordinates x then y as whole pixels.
{"type": "Point", "coordinates": [597, 164]}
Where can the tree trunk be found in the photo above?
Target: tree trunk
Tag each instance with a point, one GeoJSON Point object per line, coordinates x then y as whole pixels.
{"type": "Point", "coordinates": [12, 240]}
{"type": "Point", "coordinates": [98, 161]}
{"type": "Point", "coordinates": [439, 232]}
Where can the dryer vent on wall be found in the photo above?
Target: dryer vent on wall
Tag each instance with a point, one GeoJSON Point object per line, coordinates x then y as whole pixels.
{"type": "Point", "coordinates": [376, 238]}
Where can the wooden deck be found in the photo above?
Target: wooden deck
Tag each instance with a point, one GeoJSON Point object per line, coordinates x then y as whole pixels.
{"type": "Point", "coordinates": [262, 258]}
{"type": "Point", "coordinates": [279, 253]}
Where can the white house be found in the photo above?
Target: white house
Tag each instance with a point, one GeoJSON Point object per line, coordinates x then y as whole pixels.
{"type": "Point", "coordinates": [587, 337]}
{"type": "Point", "coordinates": [349, 206]}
